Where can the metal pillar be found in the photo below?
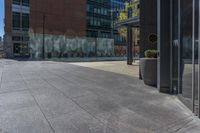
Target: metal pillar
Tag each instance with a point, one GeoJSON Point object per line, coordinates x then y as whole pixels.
{"type": "Point", "coordinates": [163, 47]}
{"type": "Point", "coordinates": [129, 46]}
{"type": "Point", "coordinates": [43, 41]}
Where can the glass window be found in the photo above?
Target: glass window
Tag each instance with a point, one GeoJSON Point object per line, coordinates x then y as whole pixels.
{"type": "Point", "coordinates": [16, 2]}
{"type": "Point", "coordinates": [16, 38]}
{"type": "Point", "coordinates": [16, 20]}
{"type": "Point", "coordinates": [25, 2]}
{"type": "Point", "coordinates": [25, 21]}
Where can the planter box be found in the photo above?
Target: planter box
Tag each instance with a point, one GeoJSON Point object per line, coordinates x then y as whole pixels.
{"type": "Point", "coordinates": [148, 68]}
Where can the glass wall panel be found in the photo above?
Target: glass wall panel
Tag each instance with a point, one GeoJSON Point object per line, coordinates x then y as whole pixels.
{"type": "Point", "coordinates": [175, 44]}
{"type": "Point", "coordinates": [186, 66]}
{"type": "Point", "coordinates": [185, 52]}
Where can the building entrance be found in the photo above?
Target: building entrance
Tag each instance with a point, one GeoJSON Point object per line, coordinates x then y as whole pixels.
{"type": "Point", "coordinates": [20, 49]}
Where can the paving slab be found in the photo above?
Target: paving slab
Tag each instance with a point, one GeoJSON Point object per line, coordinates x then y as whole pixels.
{"type": "Point", "coordinates": [24, 120]}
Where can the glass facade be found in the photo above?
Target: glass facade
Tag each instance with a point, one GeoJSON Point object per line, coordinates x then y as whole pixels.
{"type": "Point", "coordinates": [21, 2]}
{"type": "Point", "coordinates": [184, 52]}
{"type": "Point", "coordinates": [100, 19]}
{"type": "Point", "coordinates": [20, 27]}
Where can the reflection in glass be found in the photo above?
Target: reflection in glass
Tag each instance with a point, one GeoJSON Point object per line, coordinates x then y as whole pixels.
{"type": "Point", "coordinates": [175, 37]}
{"type": "Point", "coordinates": [186, 49]}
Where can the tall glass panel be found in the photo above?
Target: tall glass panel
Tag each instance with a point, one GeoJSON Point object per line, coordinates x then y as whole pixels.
{"type": "Point", "coordinates": [186, 53]}
{"type": "Point", "coordinates": [175, 44]}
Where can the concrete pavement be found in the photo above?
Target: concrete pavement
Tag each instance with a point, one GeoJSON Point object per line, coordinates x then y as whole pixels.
{"type": "Point", "coordinates": [56, 97]}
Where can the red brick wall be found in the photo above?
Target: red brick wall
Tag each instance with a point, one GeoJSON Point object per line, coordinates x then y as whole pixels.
{"type": "Point", "coordinates": [8, 16]}
{"type": "Point", "coordinates": [66, 17]}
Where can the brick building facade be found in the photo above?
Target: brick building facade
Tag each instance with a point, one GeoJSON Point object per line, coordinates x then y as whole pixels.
{"type": "Point", "coordinates": [23, 17]}
{"type": "Point", "coordinates": [62, 17]}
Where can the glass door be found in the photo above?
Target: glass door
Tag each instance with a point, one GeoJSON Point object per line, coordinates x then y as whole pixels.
{"type": "Point", "coordinates": [16, 49]}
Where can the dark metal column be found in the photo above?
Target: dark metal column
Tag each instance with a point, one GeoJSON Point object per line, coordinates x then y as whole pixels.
{"type": "Point", "coordinates": [164, 45]}
{"type": "Point", "coordinates": [129, 46]}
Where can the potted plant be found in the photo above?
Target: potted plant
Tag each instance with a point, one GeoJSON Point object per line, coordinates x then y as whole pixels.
{"type": "Point", "coordinates": [148, 67]}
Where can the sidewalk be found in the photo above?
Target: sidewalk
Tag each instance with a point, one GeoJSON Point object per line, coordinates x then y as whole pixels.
{"type": "Point", "coordinates": [58, 97]}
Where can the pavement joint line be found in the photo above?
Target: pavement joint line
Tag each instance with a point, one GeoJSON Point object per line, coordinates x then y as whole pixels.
{"type": "Point", "coordinates": [180, 121]}
{"type": "Point", "coordinates": [184, 125]}
{"type": "Point", "coordinates": [38, 105]}
{"type": "Point", "coordinates": [1, 77]}
{"type": "Point", "coordinates": [6, 92]}
{"type": "Point", "coordinates": [76, 103]}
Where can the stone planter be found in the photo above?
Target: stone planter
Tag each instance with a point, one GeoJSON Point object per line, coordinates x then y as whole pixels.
{"type": "Point", "coordinates": [148, 68]}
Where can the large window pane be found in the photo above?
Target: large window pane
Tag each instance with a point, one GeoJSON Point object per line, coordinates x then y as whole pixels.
{"type": "Point", "coordinates": [25, 2]}
{"type": "Point", "coordinates": [16, 2]}
{"type": "Point", "coordinates": [25, 21]}
{"type": "Point", "coordinates": [186, 52]}
{"type": "Point", "coordinates": [16, 20]}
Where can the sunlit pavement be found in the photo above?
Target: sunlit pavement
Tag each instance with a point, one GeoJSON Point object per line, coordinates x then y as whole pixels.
{"type": "Point", "coordinates": [119, 67]}
{"type": "Point", "coordinates": [48, 97]}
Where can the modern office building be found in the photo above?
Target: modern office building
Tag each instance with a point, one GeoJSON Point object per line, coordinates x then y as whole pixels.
{"type": "Point", "coordinates": [177, 26]}
{"type": "Point", "coordinates": [91, 18]}
{"type": "Point", "coordinates": [86, 18]}
{"type": "Point", "coordinates": [101, 15]}
{"type": "Point", "coordinates": [98, 18]}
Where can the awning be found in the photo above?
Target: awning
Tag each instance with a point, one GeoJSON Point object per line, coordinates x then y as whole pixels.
{"type": "Point", "coordinates": [133, 22]}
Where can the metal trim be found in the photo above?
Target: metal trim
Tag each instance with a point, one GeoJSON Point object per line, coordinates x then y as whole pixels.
{"type": "Point", "coordinates": [171, 46]}
{"type": "Point", "coordinates": [199, 64]}
{"type": "Point", "coordinates": [193, 57]}
{"type": "Point", "coordinates": [158, 44]}
{"type": "Point", "coordinates": [179, 41]}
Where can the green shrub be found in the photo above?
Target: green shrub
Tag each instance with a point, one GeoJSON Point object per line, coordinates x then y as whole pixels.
{"type": "Point", "coordinates": [151, 53]}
